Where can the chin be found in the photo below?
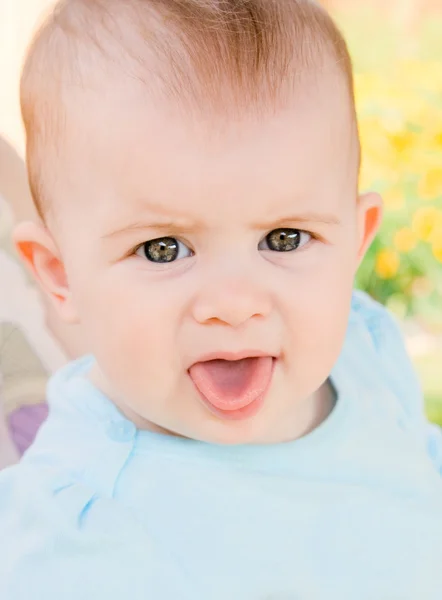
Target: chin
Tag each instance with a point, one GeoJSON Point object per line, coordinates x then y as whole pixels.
{"type": "Point", "coordinates": [233, 434]}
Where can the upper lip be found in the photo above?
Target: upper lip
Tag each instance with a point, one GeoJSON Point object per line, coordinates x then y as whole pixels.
{"type": "Point", "coordinates": [232, 355]}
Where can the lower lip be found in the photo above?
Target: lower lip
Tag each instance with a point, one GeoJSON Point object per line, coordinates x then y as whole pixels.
{"type": "Point", "coordinates": [241, 414]}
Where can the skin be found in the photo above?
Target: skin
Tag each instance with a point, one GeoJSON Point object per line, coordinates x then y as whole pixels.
{"type": "Point", "coordinates": [132, 171]}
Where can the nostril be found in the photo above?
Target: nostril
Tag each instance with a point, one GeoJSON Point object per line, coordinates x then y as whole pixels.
{"type": "Point", "coordinates": [215, 321]}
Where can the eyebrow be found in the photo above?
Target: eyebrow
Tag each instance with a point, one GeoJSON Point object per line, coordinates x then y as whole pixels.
{"type": "Point", "coordinates": [157, 218]}
{"type": "Point", "coordinates": [159, 226]}
{"type": "Point", "coordinates": [186, 226]}
{"type": "Point", "coordinates": [309, 217]}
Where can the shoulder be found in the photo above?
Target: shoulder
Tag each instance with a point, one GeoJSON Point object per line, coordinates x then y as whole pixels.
{"type": "Point", "coordinates": [393, 364]}
{"type": "Point", "coordinates": [34, 505]}
{"type": "Point", "coordinates": [59, 539]}
{"type": "Point", "coordinates": [383, 328]}
{"type": "Point", "coordinates": [379, 322]}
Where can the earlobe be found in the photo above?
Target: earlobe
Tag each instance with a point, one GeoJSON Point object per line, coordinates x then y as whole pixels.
{"type": "Point", "coordinates": [40, 254]}
{"type": "Point", "coordinates": [369, 220]}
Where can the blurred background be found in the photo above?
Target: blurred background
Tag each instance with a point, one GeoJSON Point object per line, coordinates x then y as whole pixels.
{"type": "Point", "coordinates": [397, 51]}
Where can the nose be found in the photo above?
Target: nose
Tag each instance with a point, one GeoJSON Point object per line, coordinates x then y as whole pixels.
{"type": "Point", "coordinates": [231, 303]}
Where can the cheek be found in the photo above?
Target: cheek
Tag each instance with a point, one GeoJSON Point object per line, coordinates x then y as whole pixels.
{"type": "Point", "coordinates": [318, 313]}
{"type": "Point", "coordinates": [128, 320]}
{"type": "Point", "coordinates": [322, 281]}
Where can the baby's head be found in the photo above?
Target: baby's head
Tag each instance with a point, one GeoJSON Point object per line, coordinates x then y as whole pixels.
{"type": "Point", "coordinates": [195, 163]}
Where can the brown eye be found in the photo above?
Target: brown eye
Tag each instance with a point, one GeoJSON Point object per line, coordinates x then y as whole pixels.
{"type": "Point", "coordinates": [284, 240]}
{"type": "Point", "coordinates": [164, 250]}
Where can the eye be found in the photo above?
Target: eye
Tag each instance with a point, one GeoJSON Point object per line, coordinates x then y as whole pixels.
{"type": "Point", "coordinates": [285, 240]}
{"type": "Point", "coordinates": [164, 250]}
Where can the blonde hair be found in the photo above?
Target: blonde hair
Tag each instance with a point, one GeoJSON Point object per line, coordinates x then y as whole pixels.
{"type": "Point", "coordinates": [214, 55]}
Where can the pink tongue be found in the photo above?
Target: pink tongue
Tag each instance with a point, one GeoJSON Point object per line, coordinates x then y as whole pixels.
{"type": "Point", "coordinates": [232, 385]}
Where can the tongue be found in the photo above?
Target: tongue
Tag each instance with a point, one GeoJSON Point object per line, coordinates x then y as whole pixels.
{"type": "Point", "coordinates": [232, 385]}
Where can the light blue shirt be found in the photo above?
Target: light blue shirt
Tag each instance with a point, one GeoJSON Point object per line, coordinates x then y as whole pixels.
{"type": "Point", "coordinates": [353, 511]}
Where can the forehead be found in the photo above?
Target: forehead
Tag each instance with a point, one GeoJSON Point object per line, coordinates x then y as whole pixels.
{"type": "Point", "coordinates": [128, 148]}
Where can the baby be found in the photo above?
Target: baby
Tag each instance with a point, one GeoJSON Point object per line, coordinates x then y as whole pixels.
{"type": "Point", "coordinates": [246, 426]}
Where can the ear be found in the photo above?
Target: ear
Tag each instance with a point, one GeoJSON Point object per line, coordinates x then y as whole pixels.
{"type": "Point", "coordinates": [369, 219]}
{"type": "Point", "coordinates": [40, 254]}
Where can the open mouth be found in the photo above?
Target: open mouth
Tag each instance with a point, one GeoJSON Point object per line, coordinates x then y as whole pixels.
{"type": "Point", "coordinates": [233, 389]}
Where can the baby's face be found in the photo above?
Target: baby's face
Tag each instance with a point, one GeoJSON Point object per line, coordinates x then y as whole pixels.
{"type": "Point", "coordinates": [187, 241]}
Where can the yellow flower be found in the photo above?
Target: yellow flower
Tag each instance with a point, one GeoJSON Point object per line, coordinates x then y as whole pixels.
{"type": "Point", "coordinates": [436, 234]}
{"type": "Point", "coordinates": [425, 221]}
{"type": "Point", "coordinates": [401, 141]}
{"type": "Point", "coordinates": [436, 240]}
{"type": "Point", "coordinates": [405, 240]}
{"type": "Point", "coordinates": [430, 186]}
{"type": "Point", "coordinates": [387, 263]}
{"type": "Point", "coordinates": [437, 249]}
